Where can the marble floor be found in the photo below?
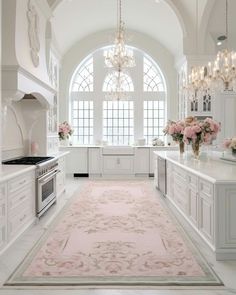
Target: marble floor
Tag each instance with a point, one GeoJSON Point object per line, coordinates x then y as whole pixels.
{"type": "Point", "coordinates": [14, 255]}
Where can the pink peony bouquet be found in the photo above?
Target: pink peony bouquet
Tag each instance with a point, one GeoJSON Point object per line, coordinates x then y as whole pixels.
{"type": "Point", "coordinates": [65, 131]}
{"type": "Point", "coordinates": [201, 131]}
{"type": "Point", "coordinates": [230, 143]}
{"type": "Point", "coordinates": [175, 129]}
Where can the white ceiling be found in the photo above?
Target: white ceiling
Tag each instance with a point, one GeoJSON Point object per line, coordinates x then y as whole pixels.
{"type": "Point", "coordinates": [216, 25]}
{"type": "Point", "coordinates": [75, 19]}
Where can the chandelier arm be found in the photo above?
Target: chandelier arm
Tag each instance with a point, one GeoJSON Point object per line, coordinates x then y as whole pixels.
{"type": "Point", "coordinates": [226, 20]}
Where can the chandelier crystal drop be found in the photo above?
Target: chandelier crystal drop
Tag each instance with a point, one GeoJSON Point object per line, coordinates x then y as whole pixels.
{"type": "Point", "coordinates": [222, 73]}
{"type": "Point", "coordinates": [197, 85]}
{"type": "Point", "coordinates": [117, 91]}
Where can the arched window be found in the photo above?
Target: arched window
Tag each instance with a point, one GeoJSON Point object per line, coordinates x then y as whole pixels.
{"type": "Point", "coordinates": [82, 107]}
{"type": "Point", "coordinates": [83, 78]}
{"type": "Point", "coordinates": [152, 77]}
{"type": "Point", "coordinates": [154, 107]}
{"type": "Point", "coordinates": [95, 117]}
{"type": "Point", "coordinates": [110, 82]}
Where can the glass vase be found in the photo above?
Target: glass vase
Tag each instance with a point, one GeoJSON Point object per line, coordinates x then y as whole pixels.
{"type": "Point", "coordinates": [64, 142]}
{"type": "Point", "coordinates": [196, 150]}
{"type": "Point", "coordinates": [181, 147]}
{"type": "Point", "coordinates": [234, 152]}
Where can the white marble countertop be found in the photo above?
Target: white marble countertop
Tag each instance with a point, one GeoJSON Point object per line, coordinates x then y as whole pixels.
{"type": "Point", "coordinates": [209, 166]}
{"type": "Point", "coordinates": [10, 171]}
{"type": "Point", "coordinates": [110, 146]}
{"type": "Point", "coordinates": [60, 154]}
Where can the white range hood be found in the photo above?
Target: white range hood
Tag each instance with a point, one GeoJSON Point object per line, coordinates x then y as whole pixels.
{"type": "Point", "coordinates": [16, 82]}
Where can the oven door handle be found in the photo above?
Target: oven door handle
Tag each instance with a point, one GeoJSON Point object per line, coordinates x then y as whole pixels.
{"type": "Point", "coordinates": [51, 175]}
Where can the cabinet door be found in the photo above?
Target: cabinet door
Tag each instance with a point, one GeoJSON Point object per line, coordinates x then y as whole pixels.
{"type": "Point", "coordinates": [3, 222]}
{"type": "Point", "coordinates": [169, 180]}
{"type": "Point", "coordinates": [142, 160]}
{"type": "Point", "coordinates": [156, 171]}
{"type": "Point", "coordinates": [118, 165]}
{"type": "Point", "coordinates": [193, 206]}
{"type": "Point", "coordinates": [61, 178]}
{"type": "Point", "coordinates": [206, 209]}
{"type": "Point", "coordinates": [94, 161]}
{"type": "Point", "coordinates": [77, 160]}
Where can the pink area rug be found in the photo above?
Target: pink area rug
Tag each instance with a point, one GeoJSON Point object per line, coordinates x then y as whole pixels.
{"type": "Point", "coordinates": [114, 232]}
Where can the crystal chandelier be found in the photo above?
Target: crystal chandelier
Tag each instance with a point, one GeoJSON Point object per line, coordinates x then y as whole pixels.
{"type": "Point", "coordinates": [118, 90]}
{"type": "Point", "coordinates": [197, 85]}
{"type": "Point", "coordinates": [119, 58]}
{"type": "Point", "coordinates": [221, 75]}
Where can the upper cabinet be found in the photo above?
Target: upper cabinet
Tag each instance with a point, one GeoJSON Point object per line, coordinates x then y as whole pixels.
{"type": "Point", "coordinates": [201, 106]}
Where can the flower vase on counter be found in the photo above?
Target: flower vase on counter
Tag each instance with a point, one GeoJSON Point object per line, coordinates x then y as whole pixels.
{"type": "Point", "coordinates": [175, 129]}
{"type": "Point", "coordinates": [196, 149]}
{"type": "Point", "coordinates": [65, 131]}
{"type": "Point", "coordinates": [64, 142]}
{"type": "Point", "coordinates": [230, 143]}
{"type": "Point", "coordinates": [181, 147]}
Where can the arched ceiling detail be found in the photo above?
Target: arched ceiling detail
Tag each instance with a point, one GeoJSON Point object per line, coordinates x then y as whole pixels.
{"type": "Point", "coordinates": [170, 22]}
{"type": "Point", "coordinates": [74, 19]}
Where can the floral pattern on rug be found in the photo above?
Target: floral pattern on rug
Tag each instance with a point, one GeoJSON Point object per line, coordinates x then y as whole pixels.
{"type": "Point", "coordinates": [115, 228]}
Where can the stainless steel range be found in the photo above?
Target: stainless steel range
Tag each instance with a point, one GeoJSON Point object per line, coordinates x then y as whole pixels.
{"type": "Point", "coordinates": [46, 171]}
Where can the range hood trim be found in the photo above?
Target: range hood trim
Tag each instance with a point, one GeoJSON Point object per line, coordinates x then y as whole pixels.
{"type": "Point", "coordinates": [16, 82]}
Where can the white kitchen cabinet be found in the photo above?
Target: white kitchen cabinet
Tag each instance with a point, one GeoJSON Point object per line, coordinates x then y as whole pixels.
{"type": "Point", "coordinates": [61, 176]}
{"type": "Point", "coordinates": [156, 171]}
{"type": "Point", "coordinates": [169, 180]}
{"type": "Point", "coordinates": [77, 160]}
{"type": "Point", "coordinates": [17, 207]}
{"type": "Point", "coordinates": [180, 192]}
{"type": "Point", "coordinates": [193, 205]}
{"type": "Point", "coordinates": [21, 204]}
{"type": "Point", "coordinates": [153, 149]}
{"type": "Point", "coordinates": [206, 209]}
{"type": "Point", "coordinates": [204, 194]}
{"type": "Point", "coordinates": [3, 215]}
{"type": "Point", "coordinates": [94, 161]}
{"type": "Point", "coordinates": [141, 160]}
{"type": "Point", "coordinates": [118, 165]}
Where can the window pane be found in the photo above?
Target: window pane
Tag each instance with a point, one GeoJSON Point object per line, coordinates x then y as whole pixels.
{"type": "Point", "coordinates": [153, 122]}
{"type": "Point", "coordinates": [152, 77]}
{"type": "Point", "coordinates": [83, 78]}
{"type": "Point", "coordinates": [84, 125]}
{"type": "Point", "coordinates": [119, 127]}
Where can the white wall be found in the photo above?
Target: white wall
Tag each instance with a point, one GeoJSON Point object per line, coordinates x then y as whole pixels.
{"type": "Point", "coordinates": [0, 86]}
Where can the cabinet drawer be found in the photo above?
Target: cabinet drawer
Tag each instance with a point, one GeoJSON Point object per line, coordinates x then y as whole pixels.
{"type": "Point", "coordinates": [180, 180]}
{"type": "Point", "coordinates": [180, 197]}
{"type": "Point", "coordinates": [20, 181]}
{"type": "Point", "coordinates": [18, 218]}
{"type": "Point", "coordinates": [169, 166]}
{"type": "Point", "coordinates": [118, 165]}
{"type": "Point", "coordinates": [19, 197]}
{"type": "Point", "coordinates": [180, 172]}
{"type": "Point", "coordinates": [206, 188]}
{"type": "Point", "coordinates": [3, 192]}
{"type": "Point", "coordinates": [192, 181]}
{"type": "Point", "coordinates": [2, 234]}
{"type": "Point", "coordinates": [2, 209]}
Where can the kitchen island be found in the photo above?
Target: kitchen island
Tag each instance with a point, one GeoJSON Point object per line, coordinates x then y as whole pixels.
{"type": "Point", "coordinates": [204, 192]}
